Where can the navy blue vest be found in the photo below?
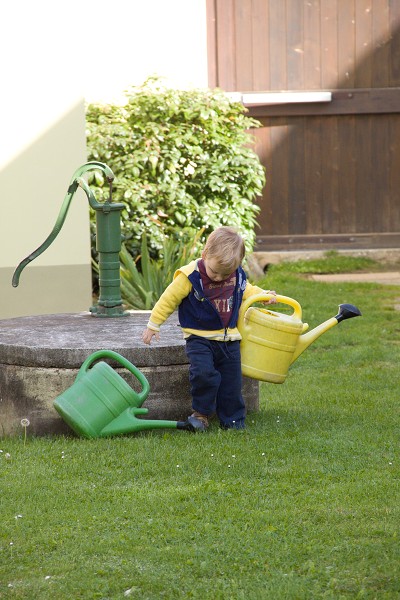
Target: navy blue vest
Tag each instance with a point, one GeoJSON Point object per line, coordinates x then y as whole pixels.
{"type": "Point", "coordinates": [197, 312]}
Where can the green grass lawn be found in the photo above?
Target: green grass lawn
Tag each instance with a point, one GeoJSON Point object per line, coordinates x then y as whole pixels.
{"type": "Point", "coordinates": [303, 504]}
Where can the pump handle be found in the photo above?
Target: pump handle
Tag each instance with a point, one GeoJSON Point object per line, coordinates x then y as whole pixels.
{"type": "Point", "coordinates": [76, 181]}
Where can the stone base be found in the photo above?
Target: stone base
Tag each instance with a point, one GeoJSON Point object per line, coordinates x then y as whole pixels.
{"type": "Point", "coordinates": [40, 358]}
{"type": "Point", "coordinates": [29, 392]}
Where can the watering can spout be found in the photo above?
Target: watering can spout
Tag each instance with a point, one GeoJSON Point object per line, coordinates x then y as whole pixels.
{"type": "Point", "coordinates": [127, 422]}
{"type": "Point", "coordinates": [346, 311]}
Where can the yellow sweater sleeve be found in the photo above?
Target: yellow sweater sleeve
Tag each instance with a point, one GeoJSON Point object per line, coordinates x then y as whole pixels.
{"type": "Point", "coordinates": [169, 301]}
{"type": "Point", "coordinates": [252, 290]}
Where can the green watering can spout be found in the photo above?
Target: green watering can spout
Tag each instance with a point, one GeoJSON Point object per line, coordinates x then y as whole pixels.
{"type": "Point", "coordinates": [128, 422]}
{"type": "Point", "coordinates": [100, 403]}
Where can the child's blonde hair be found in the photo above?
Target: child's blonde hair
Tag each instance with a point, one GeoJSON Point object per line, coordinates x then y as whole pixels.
{"type": "Point", "coordinates": [227, 247]}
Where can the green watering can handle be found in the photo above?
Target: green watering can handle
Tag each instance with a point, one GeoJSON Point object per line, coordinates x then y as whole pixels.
{"type": "Point", "coordinates": [124, 362]}
{"type": "Point", "coordinates": [279, 299]}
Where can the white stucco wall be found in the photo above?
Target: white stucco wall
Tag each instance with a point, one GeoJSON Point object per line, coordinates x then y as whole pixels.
{"type": "Point", "coordinates": [54, 58]}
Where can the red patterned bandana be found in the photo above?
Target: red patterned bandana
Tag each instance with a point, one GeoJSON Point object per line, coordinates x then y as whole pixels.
{"type": "Point", "coordinates": [219, 293]}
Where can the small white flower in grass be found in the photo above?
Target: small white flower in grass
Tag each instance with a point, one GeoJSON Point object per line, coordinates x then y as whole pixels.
{"type": "Point", "coordinates": [10, 585]}
{"type": "Point", "coordinates": [177, 466]}
{"type": "Point", "coordinates": [25, 423]}
{"type": "Point", "coordinates": [263, 454]}
{"type": "Point", "coordinates": [233, 455]}
{"type": "Point", "coordinates": [47, 577]}
{"type": "Point", "coordinates": [7, 455]}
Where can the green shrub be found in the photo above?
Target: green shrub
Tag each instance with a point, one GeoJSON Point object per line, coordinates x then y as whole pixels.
{"type": "Point", "coordinates": [141, 288]}
{"type": "Point", "coordinates": [183, 162]}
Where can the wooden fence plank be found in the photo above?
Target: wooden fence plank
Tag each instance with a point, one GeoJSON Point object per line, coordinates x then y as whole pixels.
{"type": "Point", "coordinates": [263, 149]}
{"type": "Point", "coordinates": [380, 43]}
{"type": "Point", "coordinates": [329, 47]}
{"type": "Point", "coordinates": [243, 44]}
{"type": "Point", "coordinates": [346, 35]}
{"type": "Point", "coordinates": [260, 45]}
{"type": "Point", "coordinates": [354, 241]}
{"type": "Point", "coordinates": [330, 170]}
{"type": "Point", "coordinates": [313, 141]}
{"type": "Point", "coordinates": [363, 44]}
{"type": "Point", "coordinates": [364, 182]}
{"type": "Point", "coordinates": [226, 45]}
{"type": "Point", "coordinates": [312, 46]}
{"type": "Point", "coordinates": [381, 192]}
{"type": "Point", "coordinates": [394, 12]}
{"type": "Point", "coordinates": [394, 153]}
{"type": "Point", "coordinates": [277, 44]}
{"type": "Point", "coordinates": [296, 176]}
{"type": "Point", "coordinates": [295, 44]}
{"type": "Point", "coordinates": [278, 179]}
{"type": "Point", "coordinates": [344, 102]}
{"type": "Point", "coordinates": [212, 58]}
{"type": "Point", "coordinates": [347, 174]}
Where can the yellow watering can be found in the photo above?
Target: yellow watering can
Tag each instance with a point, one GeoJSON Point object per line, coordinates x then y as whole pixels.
{"type": "Point", "coordinates": [271, 341]}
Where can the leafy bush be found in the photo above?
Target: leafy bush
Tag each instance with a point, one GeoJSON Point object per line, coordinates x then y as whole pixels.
{"type": "Point", "coordinates": [182, 160]}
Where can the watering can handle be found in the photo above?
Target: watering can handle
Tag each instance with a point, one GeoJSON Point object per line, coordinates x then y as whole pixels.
{"type": "Point", "coordinates": [279, 299]}
{"type": "Point", "coordinates": [124, 362]}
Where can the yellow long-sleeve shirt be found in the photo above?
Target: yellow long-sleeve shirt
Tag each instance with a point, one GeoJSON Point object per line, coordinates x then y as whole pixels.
{"type": "Point", "coordinates": [177, 291]}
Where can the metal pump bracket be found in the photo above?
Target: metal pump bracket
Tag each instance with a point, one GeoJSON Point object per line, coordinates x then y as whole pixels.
{"type": "Point", "coordinates": [108, 241]}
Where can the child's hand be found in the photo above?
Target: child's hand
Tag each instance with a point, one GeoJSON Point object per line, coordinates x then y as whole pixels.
{"type": "Point", "coordinates": [148, 335]}
{"type": "Point", "coordinates": [271, 300]}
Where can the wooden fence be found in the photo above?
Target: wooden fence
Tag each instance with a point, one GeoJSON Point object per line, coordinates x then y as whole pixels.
{"type": "Point", "coordinates": [333, 168]}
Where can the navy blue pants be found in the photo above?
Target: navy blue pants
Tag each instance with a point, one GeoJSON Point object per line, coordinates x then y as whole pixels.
{"type": "Point", "coordinates": [216, 380]}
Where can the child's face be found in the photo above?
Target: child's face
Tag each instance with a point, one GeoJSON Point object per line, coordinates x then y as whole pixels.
{"type": "Point", "coordinates": [214, 270]}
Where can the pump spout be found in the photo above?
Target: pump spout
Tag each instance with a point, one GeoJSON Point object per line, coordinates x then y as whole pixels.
{"type": "Point", "coordinates": [346, 311]}
{"type": "Point", "coordinates": [127, 422]}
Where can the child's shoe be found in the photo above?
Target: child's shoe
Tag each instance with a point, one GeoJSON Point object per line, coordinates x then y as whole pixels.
{"type": "Point", "coordinates": [198, 421]}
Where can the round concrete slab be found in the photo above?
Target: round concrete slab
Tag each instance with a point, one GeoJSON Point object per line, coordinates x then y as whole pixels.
{"type": "Point", "coordinates": [66, 340]}
{"type": "Point", "coordinates": [40, 357]}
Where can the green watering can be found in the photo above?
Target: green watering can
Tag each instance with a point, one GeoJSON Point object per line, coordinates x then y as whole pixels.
{"type": "Point", "coordinates": [100, 403]}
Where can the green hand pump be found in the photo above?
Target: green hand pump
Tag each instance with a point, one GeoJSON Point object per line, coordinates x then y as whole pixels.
{"type": "Point", "coordinates": [108, 241]}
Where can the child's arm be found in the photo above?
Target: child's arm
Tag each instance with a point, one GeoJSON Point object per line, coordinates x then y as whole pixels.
{"type": "Point", "coordinates": [252, 290]}
{"type": "Point", "coordinates": [169, 301]}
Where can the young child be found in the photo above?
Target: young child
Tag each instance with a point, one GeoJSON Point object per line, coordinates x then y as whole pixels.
{"type": "Point", "coordinates": [209, 292]}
